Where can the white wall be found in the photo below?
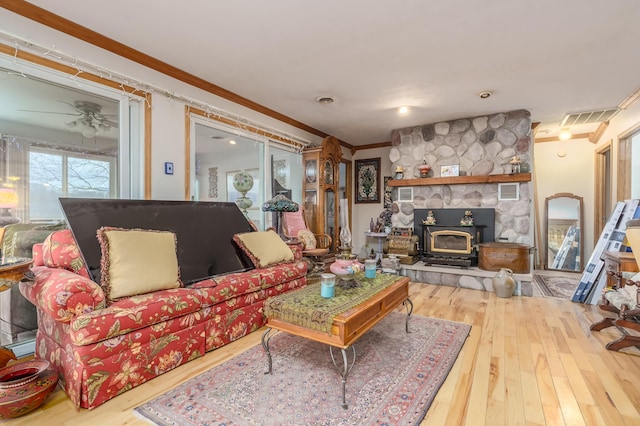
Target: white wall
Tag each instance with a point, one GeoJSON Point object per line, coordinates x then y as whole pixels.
{"type": "Point", "coordinates": [622, 126]}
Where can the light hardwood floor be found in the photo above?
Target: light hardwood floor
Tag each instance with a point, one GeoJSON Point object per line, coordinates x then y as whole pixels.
{"type": "Point", "coordinates": [527, 361]}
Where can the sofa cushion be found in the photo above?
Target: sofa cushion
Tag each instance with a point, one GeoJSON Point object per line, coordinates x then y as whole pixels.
{"type": "Point", "coordinates": [230, 286]}
{"type": "Point", "coordinates": [137, 312]}
{"type": "Point", "coordinates": [264, 248]}
{"type": "Point", "coordinates": [60, 250]}
{"type": "Point", "coordinates": [137, 261]}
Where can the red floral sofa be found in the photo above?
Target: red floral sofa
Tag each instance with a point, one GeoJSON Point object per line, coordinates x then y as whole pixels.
{"type": "Point", "coordinates": [102, 348]}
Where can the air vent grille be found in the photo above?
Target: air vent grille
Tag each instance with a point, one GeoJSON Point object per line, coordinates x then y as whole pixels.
{"type": "Point", "coordinates": [405, 194]}
{"type": "Point", "coordinates": [508, 191]}
{"type": "Point", "coordinates": [588, 117]}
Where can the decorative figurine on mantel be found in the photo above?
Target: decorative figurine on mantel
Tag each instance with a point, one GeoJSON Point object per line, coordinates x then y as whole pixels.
{"type": "Point", "coordinates": [430, 220]}
{"type": "Point", "coordinates": [467, 220]}
{"type": "Point", "coordinates": [399, 172]}
{"type": "Point", "coordinates": [515, 164]}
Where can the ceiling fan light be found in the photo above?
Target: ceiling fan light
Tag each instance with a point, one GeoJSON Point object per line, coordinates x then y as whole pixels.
{"type": "Point", "coordinates": [89, 132]}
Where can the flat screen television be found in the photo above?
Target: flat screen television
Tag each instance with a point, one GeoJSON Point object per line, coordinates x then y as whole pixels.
{"type": "Point", "coordinates": [204, 231]}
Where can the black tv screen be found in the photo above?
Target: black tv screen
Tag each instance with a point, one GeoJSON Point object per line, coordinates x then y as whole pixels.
{"type": "Point", "coordinates": [204, 231]}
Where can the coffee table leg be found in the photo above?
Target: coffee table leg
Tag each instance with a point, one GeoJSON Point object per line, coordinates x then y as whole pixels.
{"type": "Point", "coordinates": [265, 345]}
{"type": "Point", "coordinates": [409, 305]}
{"type": "Point", "coordinates": [346, 368]}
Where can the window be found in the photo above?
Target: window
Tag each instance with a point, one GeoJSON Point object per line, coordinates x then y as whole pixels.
{"type": "Point", "coordinates": [59, 138]}
{"type": "Point", "coordinates": [219, 154]}
{"type": "Point", "coordinates": [53, 174]}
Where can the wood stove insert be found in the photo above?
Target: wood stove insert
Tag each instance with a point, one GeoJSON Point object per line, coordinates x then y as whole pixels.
{"type": "Point", "coordinates": [450, 243]}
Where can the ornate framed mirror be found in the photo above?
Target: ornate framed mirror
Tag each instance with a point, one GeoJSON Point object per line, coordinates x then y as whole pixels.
{"type": "Point", "coordinates": [564, 220]}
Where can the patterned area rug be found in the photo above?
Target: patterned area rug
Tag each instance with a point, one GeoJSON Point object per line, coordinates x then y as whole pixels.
{"type": "Point", "coordinates": [561, 285]}
{"type": "Point", "coordinates": [393, 381]}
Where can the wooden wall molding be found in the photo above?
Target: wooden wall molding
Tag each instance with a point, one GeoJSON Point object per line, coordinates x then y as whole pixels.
{"type": "Point", "coordinates": [594, 137]}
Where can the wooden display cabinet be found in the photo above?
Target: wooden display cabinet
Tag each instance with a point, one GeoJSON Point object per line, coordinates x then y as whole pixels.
{"type": "Point", "coordinates": [321, 176]}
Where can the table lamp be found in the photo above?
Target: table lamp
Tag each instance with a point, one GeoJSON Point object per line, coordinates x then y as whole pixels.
{"type": "Point", "coordinates": [280, 204]}
{"type": "Point", "coordinates": [8, 200]}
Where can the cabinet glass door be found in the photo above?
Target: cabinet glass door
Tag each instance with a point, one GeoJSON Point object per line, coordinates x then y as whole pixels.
{"type": "Point", "coordinates": [329, 214]}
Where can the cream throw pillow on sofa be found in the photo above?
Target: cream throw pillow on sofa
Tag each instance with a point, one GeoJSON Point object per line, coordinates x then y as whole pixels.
{"type": "Point", "coordinates": [137, 261]}
{"type": "Point", "coordinates": [264, 248]}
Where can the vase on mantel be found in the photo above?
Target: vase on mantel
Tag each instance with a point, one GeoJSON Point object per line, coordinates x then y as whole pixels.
{"type": "Point", "coordinates": [424, 169]}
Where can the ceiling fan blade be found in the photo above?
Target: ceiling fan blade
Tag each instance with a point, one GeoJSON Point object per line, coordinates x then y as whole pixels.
{"type": "Point", "coordinates": [109, 123]}
{"type": "Point", "coordinates": [51, 112]}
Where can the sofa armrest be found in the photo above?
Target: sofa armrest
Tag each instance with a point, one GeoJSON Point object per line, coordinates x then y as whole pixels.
{"type": "Point", "coordinates": [36, 255]}
{"type": "Point", "coordinates": [296, 247]}
{"type": "Point", "coordinates": [62, 294]}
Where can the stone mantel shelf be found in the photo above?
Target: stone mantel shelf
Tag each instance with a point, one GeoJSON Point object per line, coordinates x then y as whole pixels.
{"type": "Point", "coordinates": [462, 180]}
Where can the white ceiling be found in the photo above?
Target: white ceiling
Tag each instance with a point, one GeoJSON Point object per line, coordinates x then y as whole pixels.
{"type": "Point", "coordinates": [550, 57]}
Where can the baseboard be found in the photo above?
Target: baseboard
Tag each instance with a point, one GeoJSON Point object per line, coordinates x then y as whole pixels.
{"type": "Point", "coordinates": [23, 349]}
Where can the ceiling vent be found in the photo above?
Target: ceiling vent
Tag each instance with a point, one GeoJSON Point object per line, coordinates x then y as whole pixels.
{"type": "Point", "coordinates": [589, 117]}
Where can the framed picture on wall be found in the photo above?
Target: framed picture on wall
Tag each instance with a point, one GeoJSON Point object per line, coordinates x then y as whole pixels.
{"type": "Point", "coordinates": [367, 180]}
{"type": "Point", "coordinates": [452, 170]}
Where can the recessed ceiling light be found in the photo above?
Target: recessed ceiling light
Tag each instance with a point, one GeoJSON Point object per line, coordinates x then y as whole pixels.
{"type": "Point", "coordinates": [403, 109]}
{"type": "Point", "coordinates": [232, 142]}
{"type": "Point", "coordinates": [325, 100]}
{"type": "Point", "coordinates": [485, 94]}
{"type": "Point", "coordinates": [564, 135]}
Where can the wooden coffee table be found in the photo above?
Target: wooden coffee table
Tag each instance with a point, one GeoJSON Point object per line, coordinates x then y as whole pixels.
{"type": "Point", "coordinates": [348, 326]}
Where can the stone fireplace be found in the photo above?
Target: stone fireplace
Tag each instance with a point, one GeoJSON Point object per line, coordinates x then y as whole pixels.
{"type": "Point", "coordinates": [479, 146]}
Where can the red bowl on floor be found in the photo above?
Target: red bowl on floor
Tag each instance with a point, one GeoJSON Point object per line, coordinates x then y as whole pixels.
{"type": "Point", "coordinates": [21, 373]}
{"type": "Point", "coordinates": [24, 386]}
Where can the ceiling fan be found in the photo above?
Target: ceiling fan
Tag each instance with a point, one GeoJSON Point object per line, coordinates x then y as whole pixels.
{"type": "Point", "coordinates": [89, 120]}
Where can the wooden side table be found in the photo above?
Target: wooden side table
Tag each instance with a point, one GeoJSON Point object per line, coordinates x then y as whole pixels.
{"type": "Point", "coordinates": [618, 261]}
{"type": "Point", "coordinates": [12, 270]}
